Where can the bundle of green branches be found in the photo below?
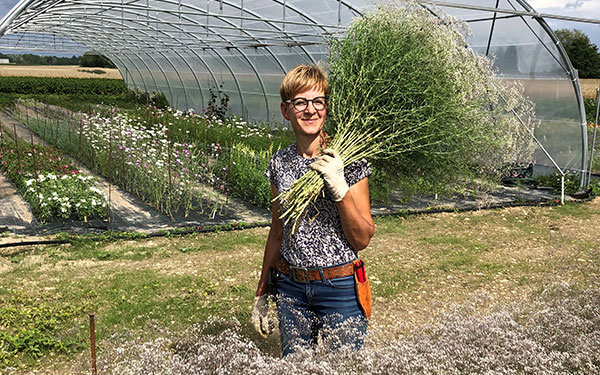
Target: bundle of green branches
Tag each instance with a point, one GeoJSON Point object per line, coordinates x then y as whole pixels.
{"type": "Point", "coordinates": [410, 96]}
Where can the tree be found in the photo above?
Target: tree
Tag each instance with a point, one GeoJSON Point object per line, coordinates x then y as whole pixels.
{"type": "Point", "coordinates": [582, 52]}
{"type": "Point", "coordinates": [90, 60]}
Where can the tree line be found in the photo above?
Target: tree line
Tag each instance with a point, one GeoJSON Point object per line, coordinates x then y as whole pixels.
{"type": "Point", "coordinates": [87, 60]}
{"type": "Point", "coordinates": [582, 52]}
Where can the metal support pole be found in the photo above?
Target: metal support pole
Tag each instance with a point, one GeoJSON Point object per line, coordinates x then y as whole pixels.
{"type": "Point", "coordinates": [562, 173]}
{"type": "Point", "coordinates": [562, 189]}
{"type": "Point", "coordinates": [594, 136]}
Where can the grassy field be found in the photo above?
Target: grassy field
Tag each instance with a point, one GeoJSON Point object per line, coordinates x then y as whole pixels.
{"type": "Point", "coordinates": [419, 268]}
{"type": "Point", "coordinates": [589, 87]}
{"type": "Point", "coordinates": [67, 71]}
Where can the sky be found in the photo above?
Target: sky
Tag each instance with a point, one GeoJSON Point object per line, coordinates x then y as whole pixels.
{"type": "Point", "coordinates": [574, 8]}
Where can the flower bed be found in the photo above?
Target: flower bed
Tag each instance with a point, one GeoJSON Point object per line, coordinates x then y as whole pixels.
{"type": "Point", "coordinates": [50, 184]}
{"type": "Point", "coordinates": [171, 159]}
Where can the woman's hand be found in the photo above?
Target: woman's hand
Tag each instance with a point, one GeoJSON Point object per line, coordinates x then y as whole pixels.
{"type": "Point", "coordinates": [260, 316]}
{"type": "Point", "coordinates": [259, 311]}
{"type": "Point", "coordinates": [331, 167]}
{"type": "Point", "coordinates": [352, 202]}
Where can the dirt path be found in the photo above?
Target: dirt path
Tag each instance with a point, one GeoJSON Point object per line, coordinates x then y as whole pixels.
{"type": "Point", "coordinates": [14, 211]}
{"type": "Point", "coordinates": [127, 212]}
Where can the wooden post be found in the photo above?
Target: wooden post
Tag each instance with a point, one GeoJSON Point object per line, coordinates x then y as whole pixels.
{"type": "Point", "coordinates": [93, 342]}
{"type": "Point", "coordinates": [37, 188]}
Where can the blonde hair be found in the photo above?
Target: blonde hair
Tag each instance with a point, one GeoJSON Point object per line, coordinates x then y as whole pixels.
{"type": "Point", "coordinates": [302, 78]}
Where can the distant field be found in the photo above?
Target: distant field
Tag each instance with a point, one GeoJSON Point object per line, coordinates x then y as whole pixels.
{"type": "Point", "coordinates": [588, 88]}
{"type": "Point", "coordinates": [68, 71]}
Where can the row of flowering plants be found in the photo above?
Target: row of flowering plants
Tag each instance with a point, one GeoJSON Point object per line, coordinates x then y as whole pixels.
{"type": "Point", "coordinates": [49, 183]}
{"type": "Point", "coordinates": [173, 160]}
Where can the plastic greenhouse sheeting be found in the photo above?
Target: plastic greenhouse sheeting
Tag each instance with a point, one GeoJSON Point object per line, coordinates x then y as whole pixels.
{"type": "Point", "coordinates": [242, 48]}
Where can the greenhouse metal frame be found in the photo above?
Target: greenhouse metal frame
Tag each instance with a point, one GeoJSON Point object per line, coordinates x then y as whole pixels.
{"type": "Point", "coordinates": [190, 49]}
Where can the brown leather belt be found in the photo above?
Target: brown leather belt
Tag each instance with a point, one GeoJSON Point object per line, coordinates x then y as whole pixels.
{"type": "Point", "coordinates": [304, 275]}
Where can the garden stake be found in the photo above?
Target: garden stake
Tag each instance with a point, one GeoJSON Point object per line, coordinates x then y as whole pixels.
{"type": "Point", "coordinates": [122, 157]}
{"type": "Point", "coordinates": [229, 164]}
{"type": "Point", "coordinates": [37, 188]}
{"type": "Point", "coordinates": [69, 120]}
{"type": "Point", "coordinates": [93, 342]}
{"type": "Point", "coordinates": [170, 181]}
{"type": "Point", "coordinates": [17, 148]}
{"type": "Point", "coordinates": [56, 134]}
{"type": "Point", "coordinates": [44, 127]}
{"type": "Point", "coordinates": [80, 131]}
{"type": "Point", "coordinates": [110, 138]}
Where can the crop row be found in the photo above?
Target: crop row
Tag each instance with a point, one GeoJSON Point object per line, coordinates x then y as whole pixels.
{"type": "Point", "coordinates": [49, 183]}
{"type": "Point", "coordinates": [51, 85]}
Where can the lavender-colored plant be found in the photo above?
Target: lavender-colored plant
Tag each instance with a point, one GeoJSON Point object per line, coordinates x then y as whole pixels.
{"type": "Point", "coordinates": [556, 333]}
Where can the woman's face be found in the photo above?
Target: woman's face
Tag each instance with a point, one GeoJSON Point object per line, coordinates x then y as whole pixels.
{"type": "Point", "coordinates": [308, 121]}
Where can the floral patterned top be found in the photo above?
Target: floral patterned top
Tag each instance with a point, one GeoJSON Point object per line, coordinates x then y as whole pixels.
{"type": "Point", "coordinates": [319, 240]}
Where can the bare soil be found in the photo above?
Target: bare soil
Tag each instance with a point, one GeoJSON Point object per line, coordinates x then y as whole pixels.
{"type": "Point", "coordinates": [66, 71]}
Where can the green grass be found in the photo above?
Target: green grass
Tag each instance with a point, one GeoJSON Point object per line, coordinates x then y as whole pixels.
{"type": "Point", "coordinates": [146, 284]}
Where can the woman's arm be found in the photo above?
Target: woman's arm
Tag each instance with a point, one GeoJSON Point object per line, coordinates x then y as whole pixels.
{"type": "Point", "coordinates": [355, 214]}
{"type": "Point", "coordinates": [272, 253]}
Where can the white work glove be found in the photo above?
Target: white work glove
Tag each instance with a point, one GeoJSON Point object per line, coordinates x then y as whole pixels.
{"type": "Point", "coordinates": [260, 316]}
{"type": "Point", "coordinates": [331, 167]}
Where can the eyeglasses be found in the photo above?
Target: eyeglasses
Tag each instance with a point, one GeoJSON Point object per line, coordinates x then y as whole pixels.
{"type": "Point", "coordinates": [300, 104]}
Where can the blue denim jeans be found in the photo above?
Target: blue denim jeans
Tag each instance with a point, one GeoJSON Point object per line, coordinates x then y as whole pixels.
{"type": "Point", "coordinates": [327, 308]}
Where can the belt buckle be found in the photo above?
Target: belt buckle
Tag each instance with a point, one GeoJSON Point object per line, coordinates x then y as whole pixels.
{"type": "Point", "coordinates": [300, 271]}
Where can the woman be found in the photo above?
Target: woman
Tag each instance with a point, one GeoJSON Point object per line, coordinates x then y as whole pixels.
{"type": "Point", "coordinates": [315, 281]}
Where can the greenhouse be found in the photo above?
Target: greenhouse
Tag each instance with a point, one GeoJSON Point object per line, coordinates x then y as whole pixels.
{"type": "Point", "coordinates": [243, 48]}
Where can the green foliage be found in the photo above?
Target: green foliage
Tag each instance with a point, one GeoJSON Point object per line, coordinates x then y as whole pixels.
{"type": "Point", "coordinates": [572, 183]}
{"type": "Point", "coordinates": [246, 174]}
{"type": "Point", "coordinates": [159, 100]}
{"type": "Point", "coordinates": [80, 102]}
{"type": "Point", "coordinates": [380, 186]}
{"type": "Point", "coordinates": [408, 94]}
{"type": "Point", "coordinates": [590, 110]}
{"type": "Point", "coordinates": [217, 104]}
{"type": "Point", "coordinates": [49, 183]}
{"type": "Point", "coordinates": [51, 85]}
{"type": "Point", "coordinates": [7, 101]}
{"type": "Point", "coordinates": [96, 61]}
{"type": "Point", "coordinates": [440, 112]}
{"type": "Point", "coordinates": [18, 159]}
{"type": "Point", "coordinates": [582, 52]}
{"type": "Point", "coordinates": [30, 328]}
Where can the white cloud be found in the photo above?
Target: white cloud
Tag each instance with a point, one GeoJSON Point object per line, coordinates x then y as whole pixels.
{"type": "Point", "coordinates": [574, 8]}
{"type": "Point", "coordinates": [582, 8]}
